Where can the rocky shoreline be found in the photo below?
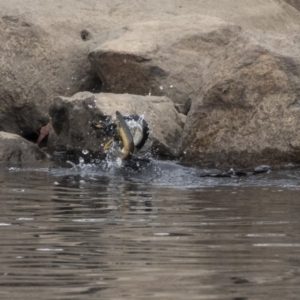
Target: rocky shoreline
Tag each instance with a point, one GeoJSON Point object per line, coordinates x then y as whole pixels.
{"type": "Point", "coordinates": [217, 81]}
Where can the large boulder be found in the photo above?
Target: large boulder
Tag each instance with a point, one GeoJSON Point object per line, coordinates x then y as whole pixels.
{"type": "Point", "coordinates": [34, 67]}
{"type": "Point", "coordinates": [248, 109]}
{"type": "Point", "coordinates": [294, 3]}
{"type": "Point", "coordinates": [16, 149]}
{"type": "Point", "coordinates": [72, 117]}
{"type": "Point", "coordinates": [158, 58]}
{"type": "Point", "coordinates": [169, 56]}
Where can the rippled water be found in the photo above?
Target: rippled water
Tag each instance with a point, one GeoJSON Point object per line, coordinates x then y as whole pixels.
{"type": "Point", "coordinates": [166, 232]}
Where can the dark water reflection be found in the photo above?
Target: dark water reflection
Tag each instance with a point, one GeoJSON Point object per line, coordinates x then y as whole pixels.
{"type": "Point", "coordinates": [85, 232]}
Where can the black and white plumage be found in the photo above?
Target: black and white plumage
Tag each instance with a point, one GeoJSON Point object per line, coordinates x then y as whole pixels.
{"type": "Point", "coordinates": [137, 126]}
{"type": "Point", "coordinates": [139, 130]}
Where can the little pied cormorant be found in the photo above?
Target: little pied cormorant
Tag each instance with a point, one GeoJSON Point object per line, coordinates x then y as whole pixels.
{"type": "Point", "coordinates": [131, 130]}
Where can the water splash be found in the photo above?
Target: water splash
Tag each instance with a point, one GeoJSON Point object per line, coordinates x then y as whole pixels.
{"type": "Point", "coordinates": [85, 152]}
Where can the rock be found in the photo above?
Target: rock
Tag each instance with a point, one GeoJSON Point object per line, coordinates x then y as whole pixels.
{"type": "Point", "coordinates": [16, 149]}
{"type": "Point", "coordinates": [293, 3]}
{"type": "Point", "coordinates": [158, 59]}
{"type": "Point", "coordinates": [72, 117]}
{"type": "Point", "coordinates": [44, 132]}
{"type": "Point", "coordinates": [34, 67]}
{"type": "Point", "coordinates": [169, 56]}
{"type": "Point", "coordinates": [248, 110]}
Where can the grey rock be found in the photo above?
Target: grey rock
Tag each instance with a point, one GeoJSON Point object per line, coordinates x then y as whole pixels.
{"type": "Point", "coordinates": [169, 56]}
{"type": "Point", "coordinates": [16, 149]}
{"type": "Point", "coordinates": [247, 112]}
{"type": "Point", "coordinates": [72, 118]}
{"type": "Point", "coordinates": [293, 3]}
{"type": "Point", "coordinates": [34, 67]}
{"type": "Point", "coordinates": [158, 58]}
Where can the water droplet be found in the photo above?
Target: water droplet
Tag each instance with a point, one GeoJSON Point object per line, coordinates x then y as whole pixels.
{"type": "Point", "coordinates": [13, 169]}
{"type": "Point", "coordinates": [162, 233]}
{"type": "Point", "coordinates": [49, 249]}
{"type": "Point", "coordinates": [161, 87]}
{"type": "Point", "coordinates": [85, 152]}
{"type": "Point", "coordinates": [119, 162]}
{"type": "Point", "coordinates": [18, 190]}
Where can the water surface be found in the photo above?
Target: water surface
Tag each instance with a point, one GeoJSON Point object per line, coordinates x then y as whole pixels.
{"type": "Point", "coordinates": [166, 232]}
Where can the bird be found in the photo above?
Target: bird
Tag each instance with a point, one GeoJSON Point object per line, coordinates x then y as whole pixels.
{"type": "Point", "coordinates": [128, 131]}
